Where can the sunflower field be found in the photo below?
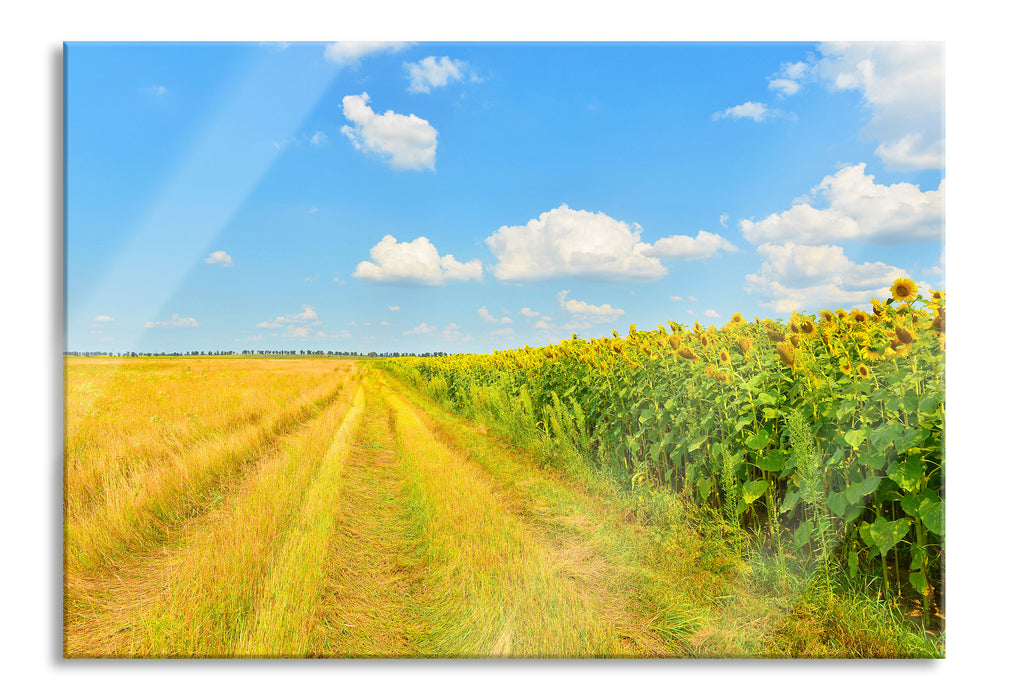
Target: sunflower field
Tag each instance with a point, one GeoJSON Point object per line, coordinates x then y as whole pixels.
{"type": "Point", "coordinates": [825, 431]}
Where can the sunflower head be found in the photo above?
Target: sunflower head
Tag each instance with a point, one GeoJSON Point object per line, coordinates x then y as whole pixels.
{"type": "Point", "coordinates": [786, 353]}
{"type": "Point", "coordinates": [675, 341]}
{"type": "Point", "coordinates": [845, 367]}
{"type": "Point", "coordinates": [744, 345]}
{"type": "Point", "coordinates": [904, 289]}
{"type": "Point", "coordinates": [863, 371]}
{"type": "Point", "coordinates": [737, 317]}
{"type": "Point", "coordinates": [841, 314]}
{"type": "Point", "coordinates": [939, 323]}
{"type": "Point", "coordinates": [904, 335]}
{"type": "Point", "coordinates": [794, 340]}
{"type": "Point", "coordinates": [859, 316]}
{"type": "Point", "coordinates": [698, 327]}
{"type": "Point", "coordinates": [704, 340]}
{"type": "Point", "coordinates": [634, 328]}
{"type": "Point", "coordinates": [827, 316]}
{"type": "Point", "coordinates": [723, 355]}
{"type": "Point", "coordinates": [807, 327]}
{"type": "Point", "coordinates": [878, 307]}
{"type": "Point", "coordinates": [686, 353]}
{"type": "Point", "coordinates": [775, 336]}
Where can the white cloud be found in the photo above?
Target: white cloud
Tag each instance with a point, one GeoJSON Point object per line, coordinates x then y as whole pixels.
{"type": "Point", "coordinates": [502, 332]}
{"type": "Point", "coordinates": [312, 210]}
{"type": "Point", "coordinates": [319, 138]}
{"type": "Point", "coordinates": [588, 313]}
{"type": "Point", "coordinates": [308, 314]}
{"type": "Point", "coordinates": [414, 262]}
{"type": "Point", "coordinates": [486, 316]}
{"type": "Point", "coordinates": [155, 90]}
{"type": "Point", "coordinates": [175, 321]}
{"type": "Point", "coordinates": [691, 298]}
{"type": "Point", "coordinates": [526, 311]}
{"type": "Point", "coordinates": [393, 308]}
{"type": "Point", "coordinates": [723, 220]}
{"type": "Point", "coordinates": [711, 313]}
{"type": "Point", "coordinates": [811, 277]}
{"type": "Point", "coordinates": [103, 318]}
{"type": "Point", "coordinates": [565, 242]}
{"type": "Point", "coordinates": [431, 72]}
{"type": "Point", "coordinates": [350, 53]}
{"type": "Point", "coordinates": [857, 208]}
{"type": "Point", "coordinates": [902, 85]}
{"type": "Point", "coordinates": [338, 334]}
{"type": "Point", "coordinates": [704, 245]}
{"type": "Point", "coordinates": [218, 257]}
{"type": "Point", "coordinates": [422, 329]}
{"type": "Point", "coordinates": [784, 86]}
{"type": "Point", "coordinates": [451, 332]}
{"type": "Point", "coordinates": [405, 142]}
{"type": "Point", "coordinates": [757, 111]}
{"type": "Point", "coordinates": [384, 323]}
{"type": "Point", "coordinates": [675, 298]}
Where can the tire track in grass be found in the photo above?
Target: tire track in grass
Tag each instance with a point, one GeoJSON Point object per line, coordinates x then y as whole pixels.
{"type": "Point", "coordinates": [196, 596]}
{"type": "Point", "coordinates": [593, 537]}
{"type": "Point", "coordinates": [494, 585]}
{"type": "Point", "coordinates": [373, 577]}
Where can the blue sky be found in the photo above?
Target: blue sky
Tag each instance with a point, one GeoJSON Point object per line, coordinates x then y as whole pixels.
{"type": "Point", "coordinates": [464, 197]}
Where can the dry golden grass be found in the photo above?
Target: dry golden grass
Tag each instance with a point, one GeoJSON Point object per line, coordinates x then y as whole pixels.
{"type": "Point", "coordinates": [148, 442]}
{"type": "Point", "coordinates": [246, 567]}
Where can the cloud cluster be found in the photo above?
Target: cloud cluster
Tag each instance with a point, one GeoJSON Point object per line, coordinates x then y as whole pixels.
{"type": "Point", "coordinates": [565, 242]}
{"type": "Point", "coordinates": [414, 262]}
{"type": "Point", "coordinates": [802, 266]}
{"type": "Point", "coordinates": [856, 208]}
{"type": "Point", "coordinates": [432, 72]}
{"type": "Point", "coordinates": [405, 142]}
{"type": "Point", "coordinates": [175, 321]}
{"type": "Point", "coordinates": [902, 85]}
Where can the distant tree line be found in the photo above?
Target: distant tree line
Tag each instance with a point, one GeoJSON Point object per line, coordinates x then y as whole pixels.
{"type": "Point", "coordinates": [324, 353]}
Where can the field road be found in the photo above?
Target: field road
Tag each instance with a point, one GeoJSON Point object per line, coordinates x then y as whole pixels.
{"type": "Point", "coordinates": [377, 524]}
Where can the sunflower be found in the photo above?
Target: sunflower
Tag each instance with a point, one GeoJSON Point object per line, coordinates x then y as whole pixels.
{"type": "Point", "coordinates": [827, 316]}
{"type": "Point", "coordinates": [775, 336]}
{"type": "Point", "coordinates": [859, 316]}
{"type": "Point", "coordinates": [863, 371]}
{"type": "Point", "coordinates": [842, 314]}
{"type": "Point", "coordinates": [794, 340]}
{"type": "Point", "coordinates": [786, 353]}
{"type": "Point", "coordinates": [687, 354]}
{"type": "Point", "coordinates": [723, 355]}
{"type": "Point", "coordinates": [878, 307]}
{"type": "Point", "coordinates": [938, 295]}
{"type": "Point", "coordinates": [737, 317]}
{"type": "Point", "coordinates": [698, 327]}
{"type": "Point", "coordinates": [904, 289]}
{"type": "Point", "coordinates": [744, 345]}
{"type": "Point", "coordinates": [939, 323]}
{"type": "Point", "coordinates": [845, 367]}
{"type": "Point", "coordinates": [675, 341]}
{"type": "Point", "coordinates": [807, 327]}
{"type": "Point", "coordinates": [704, 340]}
{"type": "Point", "coordinates": [634, 328]}
{"type": "Point", "coordinates": [904, 335]}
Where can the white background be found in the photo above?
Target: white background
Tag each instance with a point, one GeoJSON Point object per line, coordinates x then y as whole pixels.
{"type": "Point", "coordinates": [31, 323]}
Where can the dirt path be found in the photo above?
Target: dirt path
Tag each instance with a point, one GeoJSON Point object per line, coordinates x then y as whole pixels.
{"type": "Point", "coordinates": [390, 528]}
